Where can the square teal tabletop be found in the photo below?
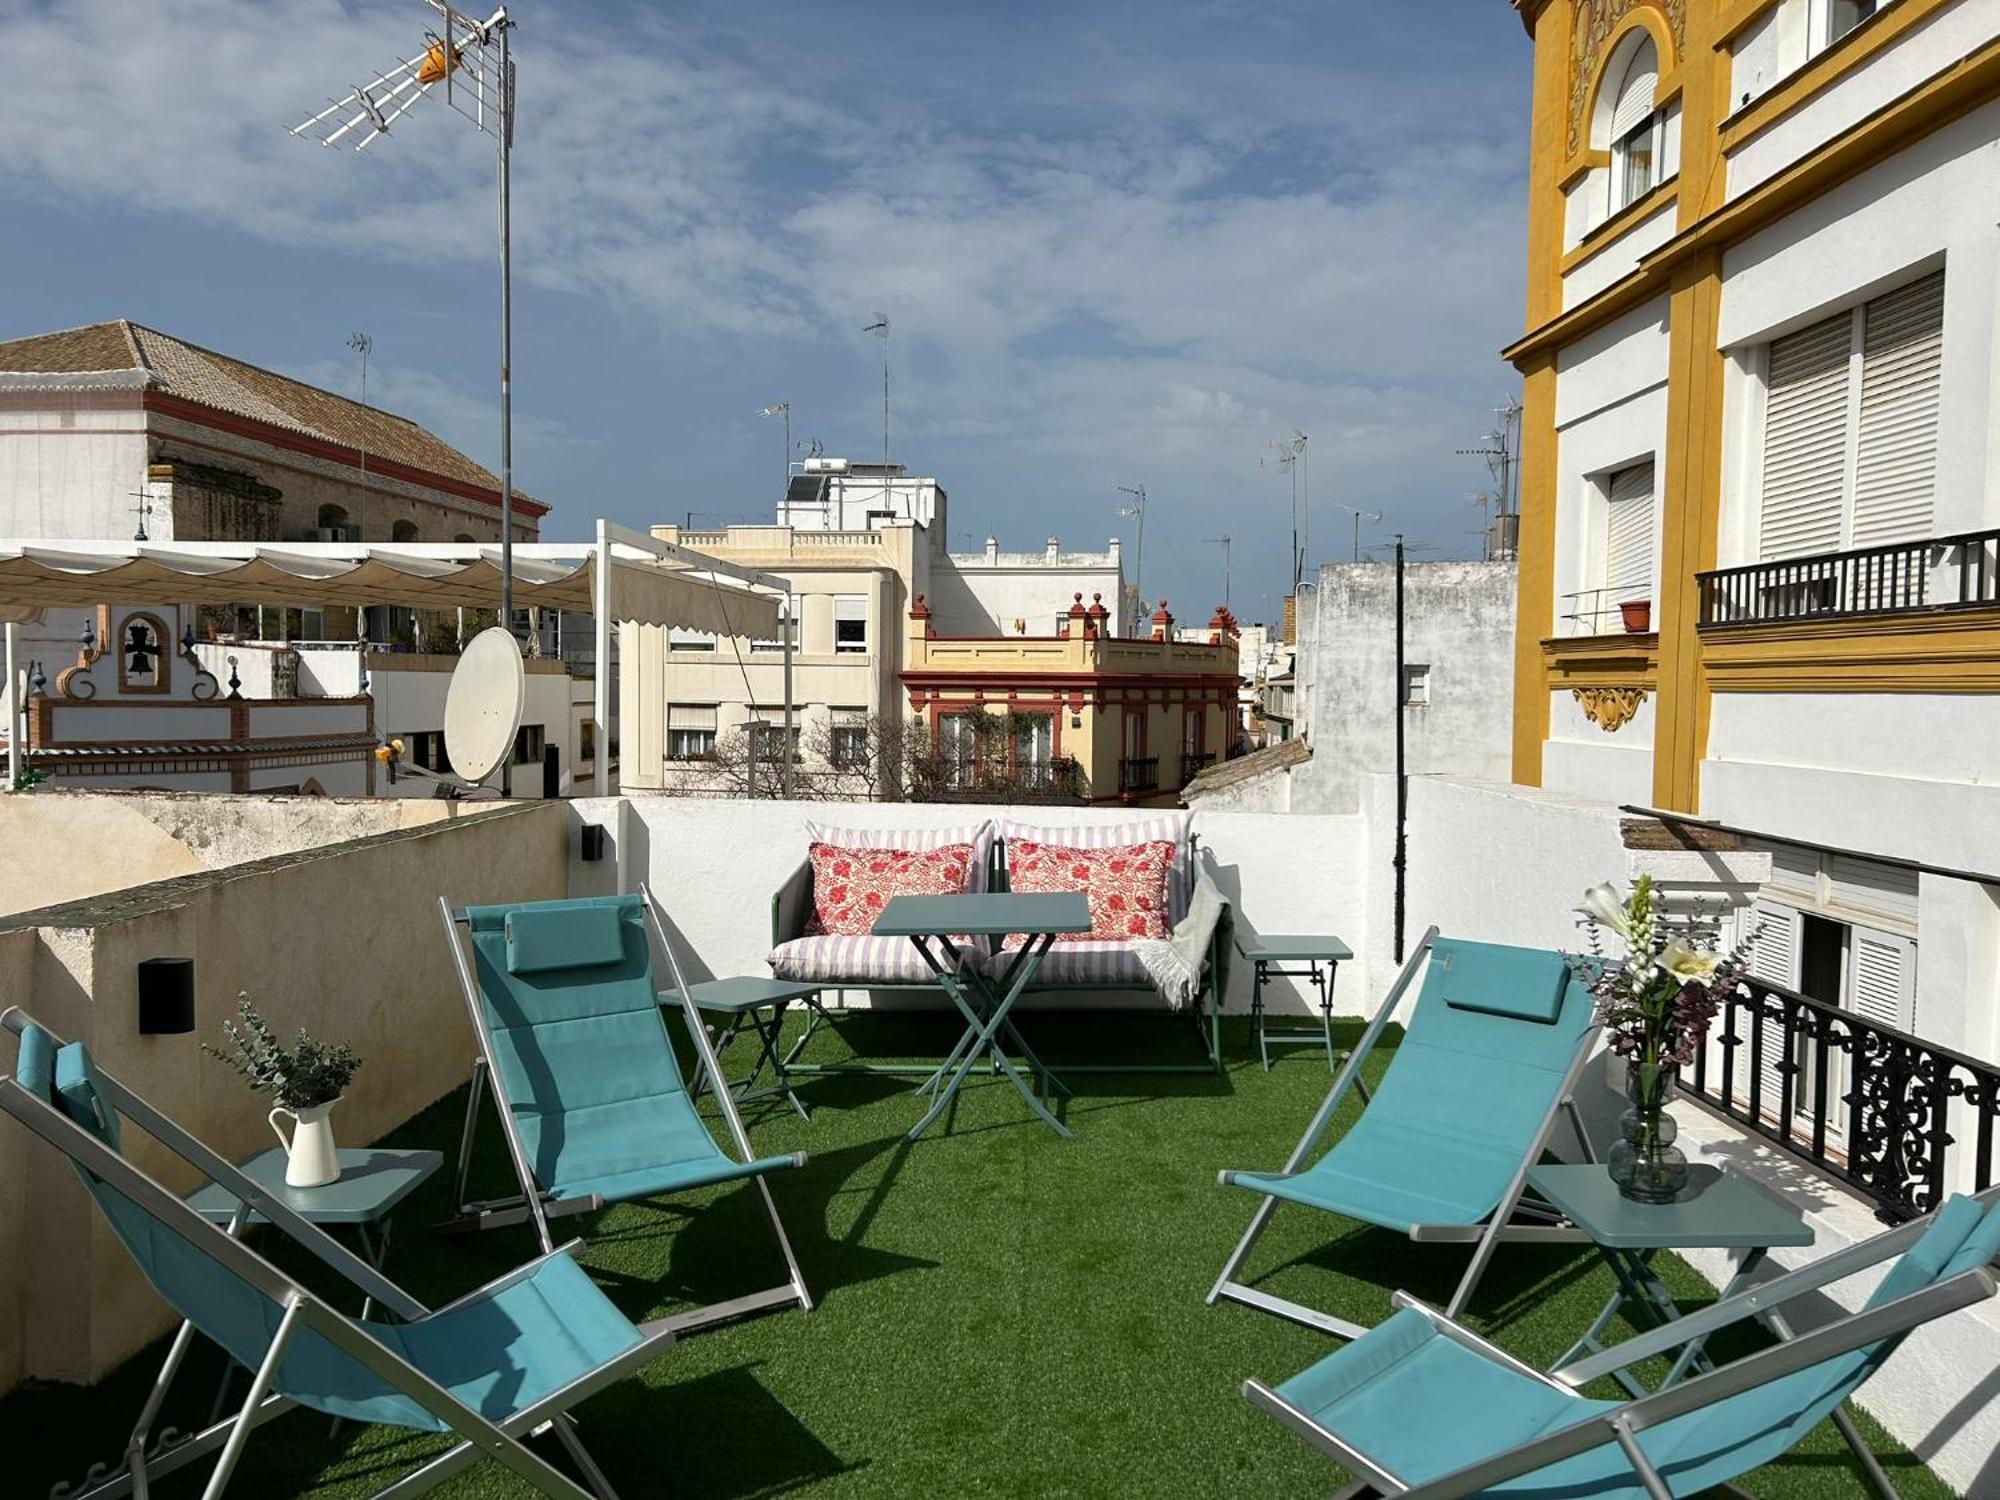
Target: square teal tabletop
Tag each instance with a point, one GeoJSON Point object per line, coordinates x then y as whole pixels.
{"type": "Point", "coordinates": [1288, 947]}
{"type": "Point", "coordinates": [372, 1181]}
{"type": "Point", "coordinates": [1716, 1211]}
{"type": "Point", "coordinates": [743, 992]}
{"type": "Point", "coordinates": [989, 914]}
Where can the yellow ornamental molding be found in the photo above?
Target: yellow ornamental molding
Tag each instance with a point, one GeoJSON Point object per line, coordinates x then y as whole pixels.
{"type": "Point", "coordinates": [1595, 22]}
{"type": "Point", "coordinates": [1610, 708]}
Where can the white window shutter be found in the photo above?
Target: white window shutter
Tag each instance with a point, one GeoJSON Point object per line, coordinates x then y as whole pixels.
{"type": "Point", "coordinates": [1635, 94]}
{"type": "Point", "coordinates": [1805, 440]}
{"type": "Point", "coordinates": [1881, 977]}
{"type": "Point", "coordinates": [1774, 958]}
{"type": "Point", "coordinates": [1628, 550]}
{"type": "Point", "coordinates": [1902, 353]}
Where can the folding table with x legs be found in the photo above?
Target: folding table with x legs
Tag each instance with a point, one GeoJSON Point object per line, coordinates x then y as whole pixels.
{"type": "Point", "coordinates": [939, 927]}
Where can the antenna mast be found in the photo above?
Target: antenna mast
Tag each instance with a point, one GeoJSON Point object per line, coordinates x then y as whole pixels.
{"type": "Point", "coordinates": [1137, 512]}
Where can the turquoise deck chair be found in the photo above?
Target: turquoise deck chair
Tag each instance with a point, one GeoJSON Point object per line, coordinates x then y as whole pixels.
{"type": "Point", "coordinates": [1421, 1407]}
{"type": "Point", "coordinates": [1441, 1152]}
{"type": "Point", "coordinates": [589, 1093]}
{"type": "Point", "coordinates": [490, 1368]}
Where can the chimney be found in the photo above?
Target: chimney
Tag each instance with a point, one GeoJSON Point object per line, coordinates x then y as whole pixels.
{"type": "Point", "coordinates": [992, 552]}
{"type": "Point", "coordinates": [1163, 623]}
{"type": "Point", "coordinates": [1054, 549]}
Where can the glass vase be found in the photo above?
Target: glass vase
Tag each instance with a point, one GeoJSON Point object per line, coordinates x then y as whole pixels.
{"type": "Point", "coordinates": [1645, 1163]}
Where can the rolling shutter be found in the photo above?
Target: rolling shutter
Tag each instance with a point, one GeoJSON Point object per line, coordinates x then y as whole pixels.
{"type": "Point", "coordinates": [1628, 549]}
{"type": "Point", "coordinates": [1635, 94]}
{"type": "Point", "coordinates": [691, 716]}
{"type": "Point", "coordinates": [1805, 440]}
{"type": "Point", "coordinates": [1902, 348]}
{"type": "Point", "coordinates": [1881, 977]}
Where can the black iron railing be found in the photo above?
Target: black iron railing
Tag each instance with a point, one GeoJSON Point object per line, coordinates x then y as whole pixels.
{"type": "Point", "coordinates": [1139, 775]}
{"type": "Point", "coordinates": [1193, 763]}
{"type": "Point", "coordinates": [1891, 1115]}
{"type": "Point", "coordinates": [1937, 573]}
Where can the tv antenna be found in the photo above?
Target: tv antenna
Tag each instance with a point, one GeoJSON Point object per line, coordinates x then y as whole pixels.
{"type": "Point", "coordinates": [881, 326]}
{"type": "Point", "coordinates": [1225, 543]}
{"type": "Point", "coordinates": [783, 409]}
{"type": "Point", "coordinates": [1288, 456]}
{"type": "Point", "coordinates": [1359, 516]}
{"type": "Point", "coordinates": [470, 59]}
{"type": "Point", "coordinates": [1137, 512]}
{"type": "Point", "coordinates": [364, 346]}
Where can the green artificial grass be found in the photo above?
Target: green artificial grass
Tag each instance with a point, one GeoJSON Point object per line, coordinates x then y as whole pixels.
{"type": "Point", "coordinates": [1000, 1312]}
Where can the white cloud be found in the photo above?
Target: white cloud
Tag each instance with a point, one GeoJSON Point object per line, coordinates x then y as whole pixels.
{"type": "Point", "coordinates": [1152, 262]}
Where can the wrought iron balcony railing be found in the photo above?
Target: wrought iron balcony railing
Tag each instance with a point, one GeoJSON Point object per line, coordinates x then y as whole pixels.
{"type": "Point", "coordinates": [1937, 573]}
{"type": "Point", "coordinates": [1139, 775]}
{"type": "Point", "coordinates": [1902, 1121]}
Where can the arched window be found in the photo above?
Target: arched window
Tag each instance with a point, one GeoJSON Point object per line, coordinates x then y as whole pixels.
{"type": "Point", "coordinates": [465, 536]}
{"type": "Point", "coordinates": [332, 516]}
{"type": "Point", "coordinates": [1635, 129]}
{"type": "Point", "coordinates": [403, 531]}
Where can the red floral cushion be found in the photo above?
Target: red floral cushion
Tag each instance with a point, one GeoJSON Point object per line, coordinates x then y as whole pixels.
{"type": "Point", "coordinates": [851, 886]}
{"type": "Point", "coordinates": [1126, 887]}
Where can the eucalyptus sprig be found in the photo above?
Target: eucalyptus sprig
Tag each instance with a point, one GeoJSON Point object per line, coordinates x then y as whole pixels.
{"type": "Point", "coordinates": [310, 1073]}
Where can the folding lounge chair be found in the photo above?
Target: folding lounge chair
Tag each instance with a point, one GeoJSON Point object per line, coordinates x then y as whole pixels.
{"type": "Point", "coordinates": [490, 1368]}
{"type": "Point", "coordinates": [584, 1078]}
{"type": "Point", "coordinates": [1442, 1149]}
{"type": "Point", "coordinates": [1422, 1408]}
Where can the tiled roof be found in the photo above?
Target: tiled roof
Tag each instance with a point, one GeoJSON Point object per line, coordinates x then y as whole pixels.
{"type": "Point", "coordinates": [206, 378]}
{"type": "Point", "coordinates": [1279, 757]}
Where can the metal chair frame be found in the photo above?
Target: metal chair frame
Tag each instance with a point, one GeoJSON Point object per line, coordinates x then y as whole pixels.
{"type": "Point", "coordinates": [534, 1204]}
{"type": "Point", "coordinates": [145, 1460]}
{"type": "Point", "coordinates": [1544, 1225]}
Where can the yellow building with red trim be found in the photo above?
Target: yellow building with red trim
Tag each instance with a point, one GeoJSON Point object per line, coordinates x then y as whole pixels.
{"type": "Point", "coordinates": [1760, 509]}
{"type": "Point", "coordinates": [1139, 717]}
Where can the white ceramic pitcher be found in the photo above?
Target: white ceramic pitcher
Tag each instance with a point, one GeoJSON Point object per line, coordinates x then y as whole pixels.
{"type": "Point", "coordinates": [310, 1158]}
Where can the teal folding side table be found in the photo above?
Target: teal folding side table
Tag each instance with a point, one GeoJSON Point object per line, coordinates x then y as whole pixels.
{"type": "Point", "coordinates": [373, 1181]}
{"type": "Point", "coordinates": [936, 924]}
{"type": "Point", "coordinates": [757, 1005]}
{"type": "Point", "coordinates": [1270, 954]}
{"type": "Point", "coordinates": [1716, 1211]}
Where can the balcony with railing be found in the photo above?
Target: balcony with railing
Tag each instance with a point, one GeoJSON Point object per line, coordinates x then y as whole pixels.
{"type": "Point", "coordinates": [1139, 775]}
{"type": "Point", "coordinates": [1902, 1121]}
{"type": "Point", "coordinates": [1939, 573]}
{"type": "Point", "coordinates": [1194, 762]}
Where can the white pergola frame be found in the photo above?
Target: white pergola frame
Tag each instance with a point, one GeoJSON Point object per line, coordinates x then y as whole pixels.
{"type": "Point", "coordinates": [311, 574]}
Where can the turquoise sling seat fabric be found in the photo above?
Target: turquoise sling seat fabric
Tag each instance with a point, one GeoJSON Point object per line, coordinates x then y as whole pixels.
{"type": "Point", "coordinates": [1423, 1406]}
{"type": "Point", "coordinates": [1464, 1095]}
{"type": "Point", "coordinates": [498, 1351]}
{"type": "Point", "coordinates": [582, 1054]}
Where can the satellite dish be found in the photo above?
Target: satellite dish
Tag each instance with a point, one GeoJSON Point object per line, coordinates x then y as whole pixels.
{"type": "Point", "coordinates": [482, 708]}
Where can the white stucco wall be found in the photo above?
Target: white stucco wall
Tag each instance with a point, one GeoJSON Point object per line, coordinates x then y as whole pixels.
{"type": "Point", "coordinates": [984, 593]}
{"type": "Point", "coordinates": [1458, 621]}
{"type": "Point", "coordinates": [1953, 33]}
{"type": "Point", "coordinates": [715, 864]}
{"type": "Point", "coordinates": [1930, 205]}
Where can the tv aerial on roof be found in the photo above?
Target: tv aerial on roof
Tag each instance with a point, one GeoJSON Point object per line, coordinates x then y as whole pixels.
{"type": "Point", "coordinates": [482, 717]}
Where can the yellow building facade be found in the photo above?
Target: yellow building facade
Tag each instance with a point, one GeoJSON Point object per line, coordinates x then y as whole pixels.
{"type": "Point", "coordinates": [1139, 717]}
{"type": "Point", "coordinates": [1760, 500]}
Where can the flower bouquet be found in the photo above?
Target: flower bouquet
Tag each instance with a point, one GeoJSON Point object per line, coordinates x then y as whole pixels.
{"type": "Point", "coordinates": [1656, 1001]}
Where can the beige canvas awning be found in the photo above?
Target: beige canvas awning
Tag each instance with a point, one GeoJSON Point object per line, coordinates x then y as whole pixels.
{"type": "Point", "coordinates": [653, 590]}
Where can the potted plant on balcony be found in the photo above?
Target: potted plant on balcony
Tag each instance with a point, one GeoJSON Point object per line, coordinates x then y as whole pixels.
{"type": "Point", "coordinates": [1656, 1002]}
{"type": "Point", "coordinates": [306, 1081]}
{"type": "Point", "coordinates": [1637, 615]}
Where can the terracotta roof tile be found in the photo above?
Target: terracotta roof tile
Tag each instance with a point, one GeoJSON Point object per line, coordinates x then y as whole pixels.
{"type": "Point", "coordinates": [206, 378]}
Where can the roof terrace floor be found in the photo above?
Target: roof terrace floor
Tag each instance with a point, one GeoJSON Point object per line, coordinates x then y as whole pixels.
{"type": "Point", "coordinates": [1001, 1312]}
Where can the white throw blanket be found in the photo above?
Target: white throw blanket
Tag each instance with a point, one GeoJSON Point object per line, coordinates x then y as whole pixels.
{"type": "Point", "coordinates": [1175, 964]}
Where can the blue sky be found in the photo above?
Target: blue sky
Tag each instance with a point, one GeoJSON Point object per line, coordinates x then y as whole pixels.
{"type": "Point", "coordinates": [1118, 244]}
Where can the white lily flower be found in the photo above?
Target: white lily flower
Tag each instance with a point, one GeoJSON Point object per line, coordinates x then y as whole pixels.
{"type": "Point", "coordinates": [1686, 963]}
{"type": "Point", "coordinates": [1603, 905]}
